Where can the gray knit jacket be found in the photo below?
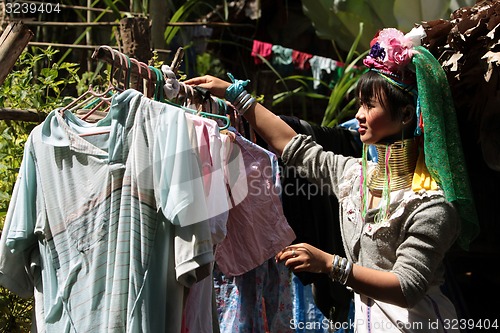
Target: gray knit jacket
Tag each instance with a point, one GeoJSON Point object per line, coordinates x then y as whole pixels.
{"type": "Point", "coordinates": [411, 243]}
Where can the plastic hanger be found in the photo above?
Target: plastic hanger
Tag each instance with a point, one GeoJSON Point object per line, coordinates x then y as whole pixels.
{"type": "Point", "coordinates": [87, 98]}
{"type": "Point", "coordinates": [159, 82]}
{"type": "Point", "coordinates": [104, 98]}
{"type": "Point", "coordinates": [139, 82]}
{"type": "Point", "coordinates": [159, 95]}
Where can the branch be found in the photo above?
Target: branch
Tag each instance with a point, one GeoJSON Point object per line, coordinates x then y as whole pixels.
{"type": "Point", "coordinates": [22, 115]}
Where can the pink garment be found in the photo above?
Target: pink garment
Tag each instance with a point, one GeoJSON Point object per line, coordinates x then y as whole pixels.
{"type": "Point", "coordinates": [201, 140]}
{"type": "Point", "coordinates": [263, 49]}
{"type": "Point", "coordinates": [301, 59]}
{"type": "Point", "coordinates": [212, 154]}
{"type": "Point", "coordinates": [257, 228]}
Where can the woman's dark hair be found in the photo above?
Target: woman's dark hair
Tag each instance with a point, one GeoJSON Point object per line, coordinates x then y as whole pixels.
{"type": "Point", "coordinates": [391, 98]}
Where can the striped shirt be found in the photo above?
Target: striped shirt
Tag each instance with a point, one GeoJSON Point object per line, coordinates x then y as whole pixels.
{"type": "Point", "coordinates": [113, 217]}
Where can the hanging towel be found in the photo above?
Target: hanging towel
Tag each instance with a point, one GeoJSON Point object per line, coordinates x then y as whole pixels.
{"type": "Point", "coordinates": [282, 59]}
{"type": "Point", "coordinates": [321, 66]}
{"type": "Point", "coordinates": [301, 59]}
{"type": "Point", "coordinates": [262, 49]}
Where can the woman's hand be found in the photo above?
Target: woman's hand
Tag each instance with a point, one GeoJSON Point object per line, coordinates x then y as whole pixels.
{"type": "Point", "coordinates": [216, 86]}
{"type": "Point", "coordinates": [305, 258]}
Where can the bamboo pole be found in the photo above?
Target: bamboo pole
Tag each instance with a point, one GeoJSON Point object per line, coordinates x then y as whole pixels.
{"type": "Point", "coordinates": [112, 24]}
{"type": "Point", "coordinates": [12, 43]}
{"type": "Point", "coordinates": [78, 46]}
{"type": "Point", "coordinates": [72, 24]}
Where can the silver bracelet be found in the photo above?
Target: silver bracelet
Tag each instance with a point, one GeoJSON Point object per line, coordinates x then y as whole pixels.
{"type": "Point", "coordinates": [243, 102]}
{"type": "Point", "coordinates": [239, 103]}
{"type": "Point", "coordinates": [335, 262]}
{"type": "Point", "coordinates": [346, 274]}
{"type": "Point", "coordinates": [341, 269]}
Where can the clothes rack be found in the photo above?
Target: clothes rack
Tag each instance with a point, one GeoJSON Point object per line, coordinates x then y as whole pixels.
{"type": "Point", "coordinates": [147, 79]}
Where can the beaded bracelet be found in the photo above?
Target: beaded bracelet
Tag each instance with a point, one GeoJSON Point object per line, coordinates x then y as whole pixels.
{"type": "Point", "coordinates": [341, 268]}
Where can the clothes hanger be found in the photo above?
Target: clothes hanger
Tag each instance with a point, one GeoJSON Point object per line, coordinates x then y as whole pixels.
{"type": "Point", "coordinates": [125, 69]}
{"type": "Point", "coordinates": [159, 92]}
{"type": "Point", "coordinates": [94, 100]}
{"type": "Point", "coordinates": [190, 95]}
{"type": "Point", "coordinates": [104, 99]}
{"type": "Point", "coordinates": [86, 99]}
{"type": "Point", "coordinates": [128, 71]}
{"type": "Point", "coordinates": [139, 81]}
{"type": "Point", "coordinates": [159, 82]}
{"type": "Point", "coordinates": [149, 84]}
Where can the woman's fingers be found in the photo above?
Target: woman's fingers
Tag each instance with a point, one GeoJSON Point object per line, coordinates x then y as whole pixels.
{"type": "Point", "coordinates": [196, 81]}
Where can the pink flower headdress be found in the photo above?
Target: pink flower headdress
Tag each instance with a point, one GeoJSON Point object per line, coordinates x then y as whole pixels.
{"type": "Point", "coordinates": [391, 52]}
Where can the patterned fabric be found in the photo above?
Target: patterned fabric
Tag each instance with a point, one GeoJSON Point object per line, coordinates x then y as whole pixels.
{"type": "Point", "coordinates": [307, 318]}
{"type": "Point", "coordinates": [255, 302]}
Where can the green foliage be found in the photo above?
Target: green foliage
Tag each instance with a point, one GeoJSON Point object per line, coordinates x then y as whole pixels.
{"type": "Point", "coordinates": [28, 87]}
{"type": "Point", "coordinates": [338, 20]}
{"type": "Point", "coordinates": [12, 138]}
{"type": "Point", "coordinates": [341, 104]}
{"type": "Point", "coordinates": [206, 63]}
{"type": "Point", "coordinates": [180, 15]}
{"type": "Point", "coordinates": [15, 313]}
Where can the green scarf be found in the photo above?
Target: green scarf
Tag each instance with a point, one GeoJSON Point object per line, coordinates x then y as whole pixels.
{"type": "Point", "coordinates": [442, 145]}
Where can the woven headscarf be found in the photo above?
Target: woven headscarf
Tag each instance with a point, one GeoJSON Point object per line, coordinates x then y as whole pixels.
{"type": "Point", "coordinates": [442, 146]}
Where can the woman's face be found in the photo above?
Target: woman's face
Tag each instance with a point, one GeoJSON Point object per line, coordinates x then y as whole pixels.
{"type": "Point", "coordinates": [375, 123]}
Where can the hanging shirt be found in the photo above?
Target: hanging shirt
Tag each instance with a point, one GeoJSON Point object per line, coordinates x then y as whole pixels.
{"type": "Point", "coordinates": [209, 144]}
{"type": "Point", "coordinates": [233, 167]}
{"type": "Point", "coordinates": [281, 59]}
{"type": "Point", "coordinates": [258, 301]}
{"type": "Point", "coordinates": [301, 59]}
{"type": "Point", "coordinates": [228, 188]}
{"type": "Point", "coordinates": [257, 228]}
{"type": "Point", "coordinates": [107, 215]}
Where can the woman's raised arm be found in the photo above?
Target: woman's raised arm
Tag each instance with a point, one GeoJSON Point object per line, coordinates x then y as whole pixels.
{"type": "Point", "coordinates": [270, 127]}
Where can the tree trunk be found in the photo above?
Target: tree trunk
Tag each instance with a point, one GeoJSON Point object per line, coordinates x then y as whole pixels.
{"type": "Point", "coordinates": [135, 33]}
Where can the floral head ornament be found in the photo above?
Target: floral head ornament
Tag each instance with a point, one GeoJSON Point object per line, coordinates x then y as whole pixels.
{"type": "Point", "coordinates": [391, 51]}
